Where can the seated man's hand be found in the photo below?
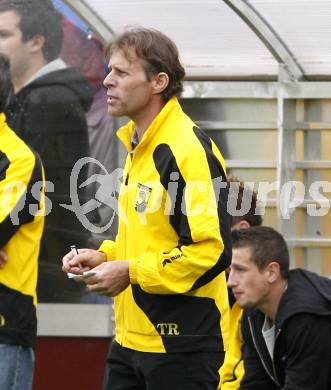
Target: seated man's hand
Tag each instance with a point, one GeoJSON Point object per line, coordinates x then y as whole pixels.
{"type": "Point", "coordinates": [85, 260]}
{"type": "Point", "coordinates": [111, 278]}
{"type": "Point", "coordinates": [3, 258]}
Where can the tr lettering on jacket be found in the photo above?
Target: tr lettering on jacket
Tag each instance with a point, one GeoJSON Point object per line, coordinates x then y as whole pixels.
{"type": "Point", "coordinates": [168, 329]}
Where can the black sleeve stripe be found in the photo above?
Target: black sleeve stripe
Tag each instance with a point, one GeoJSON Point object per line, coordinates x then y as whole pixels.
{"type": "Point", "coordinates": [166, 165]}
{"type": "Point", "coordinates": [4, 164]}
{"type": "Point", "coordinates": [21, 212]}
{"type": "Point", "coordinates": [216, 171]}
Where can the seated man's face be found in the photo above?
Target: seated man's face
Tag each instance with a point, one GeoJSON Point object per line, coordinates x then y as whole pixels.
{"type": "Point", "coordinates": [11, 43]}
{"type": "Point", "coordinates": [249, 285]}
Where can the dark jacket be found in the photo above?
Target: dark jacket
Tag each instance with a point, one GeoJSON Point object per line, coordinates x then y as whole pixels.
{"type": "Point", "coordinates": [302, 352]}
{"type": "Point", "coordinates": [49, 115]}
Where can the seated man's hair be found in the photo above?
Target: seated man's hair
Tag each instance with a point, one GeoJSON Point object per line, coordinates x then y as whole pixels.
{"type": "Point", "coordinates": [242, 197]}
{"type": "Point", "coordinates": [266, 245]}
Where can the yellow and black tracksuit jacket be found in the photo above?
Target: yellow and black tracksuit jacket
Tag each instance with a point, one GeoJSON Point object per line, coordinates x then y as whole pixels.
{"type": "Point", "coordinates": [175, 231]}
{"type": "Point", "coordinates": [232, 370]}
{"type": "Point", "coordinates": [21, 225]}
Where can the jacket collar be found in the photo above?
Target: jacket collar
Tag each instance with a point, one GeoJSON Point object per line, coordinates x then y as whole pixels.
{"type": "Point", "coordinates": [125, 133]}
{"type": "Point", "coordinates": [52, 66]}
{"type": "Point", "coordinates": [306, 293]}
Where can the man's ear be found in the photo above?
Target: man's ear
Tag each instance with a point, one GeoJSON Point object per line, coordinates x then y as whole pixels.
{"type": "Point", "coordinates": [243, 224]}
{"type": "Point", "coordinates": [273, 270]}
{"type": "Point", "coordinates": [160, 82]}
{"type": "Point", "coordinates": [36, 43]}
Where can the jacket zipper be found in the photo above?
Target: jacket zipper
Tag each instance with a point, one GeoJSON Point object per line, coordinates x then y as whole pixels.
{"type": "Point", "coordinates": [126, 183]}
{"type": "Point", "coordinates": [273, 364]}
{"type": "Point", "coordinates": [274, 379]}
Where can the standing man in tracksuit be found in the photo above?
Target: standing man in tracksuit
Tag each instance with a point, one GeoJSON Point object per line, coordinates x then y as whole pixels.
{"type": "Point", "coordinates": [21, 226]}
{"type": "Point", "coordinates": [165, 267]}
{"type": "Point", "coordinates": [287, 327]}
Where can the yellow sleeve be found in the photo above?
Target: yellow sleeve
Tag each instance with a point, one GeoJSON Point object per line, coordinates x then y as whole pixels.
{"type": "Point", "coordinates": [202, 224]}
{"type": "Point", "coordinates": [20, 169]}
{"type": "Point", "coordinates": [109, 248]}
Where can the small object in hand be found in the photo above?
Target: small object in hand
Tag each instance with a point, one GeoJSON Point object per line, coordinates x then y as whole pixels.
{"type": "Point", "coordinates": [74, 250]}
{"type": "Point", "coordinates": [81, 276]}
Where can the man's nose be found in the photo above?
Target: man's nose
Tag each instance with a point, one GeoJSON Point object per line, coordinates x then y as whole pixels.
{"type": "Point", "coordinates": [109, 80]}
{"type": "Point", "coordinates": [231, 281]}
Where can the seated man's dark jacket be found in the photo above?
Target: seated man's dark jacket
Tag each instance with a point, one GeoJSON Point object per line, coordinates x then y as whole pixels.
{"type": "Point", "coordinates": [49, 115]}
{"type": "Point", "coordinates": [302, 353]}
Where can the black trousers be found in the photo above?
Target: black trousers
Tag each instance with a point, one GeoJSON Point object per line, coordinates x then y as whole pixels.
{"type": "Point", "coordinates": [133, 370]}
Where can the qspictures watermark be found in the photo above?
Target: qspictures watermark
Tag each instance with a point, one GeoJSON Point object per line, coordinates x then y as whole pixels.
{"type": "Point", "coordinates": [195, 198]}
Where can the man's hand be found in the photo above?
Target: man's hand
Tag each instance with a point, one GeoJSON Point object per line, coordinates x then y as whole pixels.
{"type": "Point", "coordinates": [84, 261]}
{"type": "Point", "coordinates": [111, 279]}
{"type": "Point", "coordinates": [3, 258]}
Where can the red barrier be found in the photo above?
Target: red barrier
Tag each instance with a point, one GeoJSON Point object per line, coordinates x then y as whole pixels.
{"type": "Point", "coordinates": [67, 363]}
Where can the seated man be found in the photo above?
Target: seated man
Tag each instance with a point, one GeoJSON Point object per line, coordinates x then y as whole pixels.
{"type": "Point", "coordinates": [287, 327]}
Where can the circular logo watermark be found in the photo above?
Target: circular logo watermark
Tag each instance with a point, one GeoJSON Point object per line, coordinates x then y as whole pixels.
{"type": "Point", "coordinates": [108, 186]}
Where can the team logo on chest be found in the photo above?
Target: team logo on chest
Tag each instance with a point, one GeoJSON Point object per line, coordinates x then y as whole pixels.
{"type": "Point", "coordinates": [2, 321]}
{"type": "Point", "coordinates": [143, 194]}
